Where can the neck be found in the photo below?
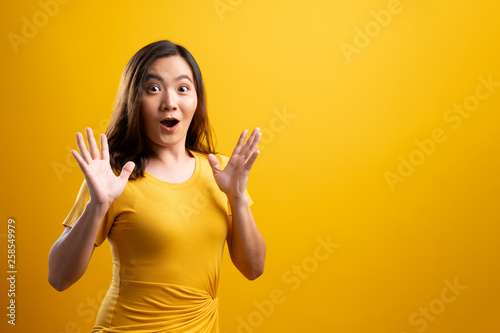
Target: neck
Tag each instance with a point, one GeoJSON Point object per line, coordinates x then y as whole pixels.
{"type": "Point", "coordinates": [169, 155]}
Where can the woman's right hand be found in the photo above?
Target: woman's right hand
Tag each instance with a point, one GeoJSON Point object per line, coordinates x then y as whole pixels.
{"type": "Point", "coordinates": [104, 186]}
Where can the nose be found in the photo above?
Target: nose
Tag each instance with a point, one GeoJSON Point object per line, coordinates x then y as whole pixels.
{"type": "Point", "coordinates": [169, 100]}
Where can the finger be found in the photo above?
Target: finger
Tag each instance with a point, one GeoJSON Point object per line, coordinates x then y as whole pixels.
{"type": "Point", "coordinates": [94, 152]}
{"type": "Point", "coordinates": [81, 162]}
{"type": "Point", "coordinates": [83, 149]}
{"type": "Point", "coordinates": [250, 140]}
{"type": "Point", "coordinates": [256, 140]}
{"type": "Point", "coordinates": [214, 163]}
{"type": "Point", "coordinates": [251, 160]}
{"type": "Point", "coordinates": [239, 144]}
{"type": "Point", "coordinates": [104, 148]}
{"type": "Point", "coordinates": [127, 171]}
{"type": "Point", "coordinates": [252, 143]}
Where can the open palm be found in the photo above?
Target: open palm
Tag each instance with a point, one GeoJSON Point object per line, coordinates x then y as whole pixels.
{"type": "Point", "coordinates": [233, 179]}
{"type": "Point", "coordinates": [104, 186]}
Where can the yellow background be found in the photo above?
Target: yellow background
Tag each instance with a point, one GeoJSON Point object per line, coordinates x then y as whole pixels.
{"type": "Point", "coordinates": [321, 173]}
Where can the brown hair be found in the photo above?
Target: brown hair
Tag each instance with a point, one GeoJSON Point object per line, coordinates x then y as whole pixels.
{"type": "Point", "coordinates": [126, 134]}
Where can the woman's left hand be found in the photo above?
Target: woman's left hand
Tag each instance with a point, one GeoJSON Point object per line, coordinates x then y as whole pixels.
{"type": "Point", "coordinates": [233, 179]}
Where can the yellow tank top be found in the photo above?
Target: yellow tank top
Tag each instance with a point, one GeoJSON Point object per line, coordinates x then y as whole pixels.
{"type": "Point", "coordinates": [167, 241]}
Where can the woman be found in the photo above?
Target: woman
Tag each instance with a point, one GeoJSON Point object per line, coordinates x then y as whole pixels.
{"type": "Point", "coordinates": [169, 211]}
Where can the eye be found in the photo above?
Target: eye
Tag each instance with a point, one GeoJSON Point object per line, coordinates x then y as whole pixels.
{"type": "Point", "coordinates": [153, 88]}
{"type": "Point", "coordinates": [186, 88]}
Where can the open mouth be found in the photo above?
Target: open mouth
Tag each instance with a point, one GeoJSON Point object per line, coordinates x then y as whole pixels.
{"type": "Point", "coordinates": [169, 123]}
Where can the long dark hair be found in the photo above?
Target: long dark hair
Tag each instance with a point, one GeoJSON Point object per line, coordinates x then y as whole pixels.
{"type": "Point", "coordinates": [126, 136]}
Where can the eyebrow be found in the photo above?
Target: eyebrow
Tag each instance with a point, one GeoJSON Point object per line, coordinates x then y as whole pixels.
{"type": "Point", "coordinates": [159, 78]}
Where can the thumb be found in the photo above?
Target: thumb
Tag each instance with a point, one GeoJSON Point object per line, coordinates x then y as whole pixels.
{"type": "Point", "coordinates": [213, 163]}
{"type": "Point", "coordinates": [127, 170]}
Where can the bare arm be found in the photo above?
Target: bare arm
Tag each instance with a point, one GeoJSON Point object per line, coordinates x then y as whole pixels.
{"type": "Point", "coordinates": [70, 255]}
{"type": "Point", "coordinates": [246, 245]}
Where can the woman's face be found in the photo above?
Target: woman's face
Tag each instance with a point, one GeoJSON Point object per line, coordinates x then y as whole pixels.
{"type": "Point", "coordinates": [168, 102]}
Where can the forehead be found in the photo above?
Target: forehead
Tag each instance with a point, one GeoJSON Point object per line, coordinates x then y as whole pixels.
{"type": "Point", "coordinates": [171, 67]}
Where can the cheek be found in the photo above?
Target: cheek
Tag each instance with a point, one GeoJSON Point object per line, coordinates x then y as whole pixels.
{"type": "Point", "coordinates": [191, 105]}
